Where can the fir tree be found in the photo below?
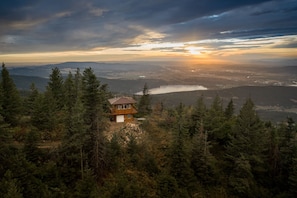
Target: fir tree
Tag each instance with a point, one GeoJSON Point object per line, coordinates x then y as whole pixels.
{"type": "Point", "coordinates": [288, 151]}
{"type": "Point", "coordinates": [31, 99]}
{"type": "Point", "coordinates": [114, 153]}
{"type": "Point", "coordinates": [72, 98]}
{"type": "Point", "coordinates": [215, 119]}
{"type": "Point", "coordinates": [180, 166]}
{"type": "Point", "coordinates": [94, 98]}
{"type": "Point", "coordinates": [87, 186]}
{"type": "Point", "coordinates": [272, 158]}
{"type": "Point", "coordinates": [245, 150]}
{"type": "Point", "coordinates": [167, 186]}
{"type": "Point", "coordinates": [9, 186]}
{"type": "Point", "coordinates": [144, 105]}
{"type": "Point", "coordinates": [77, 83]}
{"type": "Point", "coordinates": [55, 87]}
{"type": "Point", "coordinates": [43, 116]}
{"type": "Point", "coordinates": [229, 111]}
{"type": "Point", "coordinates": [10, 98]}
{"type": "Point", "coordinates": [31, 149]}
{"type": "Point", "coordinates": [198, 116]}
{"type": "Point", "coordinates": [91, 99]}
{"type": "Point", "coordinates": [70, 93]}
{"type": "Point", "coordinates": [202, 161]}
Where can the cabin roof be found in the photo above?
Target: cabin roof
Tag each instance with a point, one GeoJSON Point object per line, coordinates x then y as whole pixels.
{"type": "Point", "coordinates": [121, 100]}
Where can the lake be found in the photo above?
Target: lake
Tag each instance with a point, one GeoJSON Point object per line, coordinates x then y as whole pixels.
{"type": "Point", "coordinates": [173, 88]}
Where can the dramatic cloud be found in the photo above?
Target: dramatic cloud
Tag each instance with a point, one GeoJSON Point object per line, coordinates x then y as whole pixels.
{"type": "Point", "coordinates": [171, 27]}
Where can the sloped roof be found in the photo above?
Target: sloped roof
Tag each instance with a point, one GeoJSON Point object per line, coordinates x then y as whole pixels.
{"type": "Point", "coordinates": [121, 100]}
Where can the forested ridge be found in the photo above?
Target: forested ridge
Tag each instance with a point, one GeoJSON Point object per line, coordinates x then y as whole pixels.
{"type": "Point", "coordinates": [185, 151]}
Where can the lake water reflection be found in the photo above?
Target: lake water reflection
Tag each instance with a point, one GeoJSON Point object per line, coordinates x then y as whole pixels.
{"type": "Point", "coordinates": [173, 88]}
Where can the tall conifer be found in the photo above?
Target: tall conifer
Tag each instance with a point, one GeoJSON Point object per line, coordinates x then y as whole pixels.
{"type": "Point", "coordinates": [55, 86]}
{"type": "Point", "coordinates": [144, 105]}
{"type": "Point", "coordinates": [94, 98]}
{"type": "Point", "coordinates": [10, 100]}
{"type": "Point", "coordinates": [245, 151]}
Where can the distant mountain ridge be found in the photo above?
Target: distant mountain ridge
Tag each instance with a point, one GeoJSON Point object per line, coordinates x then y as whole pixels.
{"type": "Point", "coordinates": [112, 74]}
{"type": "Point", "coordinates": [100, 68]}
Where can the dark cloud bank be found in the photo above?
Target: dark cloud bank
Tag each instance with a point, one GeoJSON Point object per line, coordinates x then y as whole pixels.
{"type": "Point", "coordinates": [34, 25]}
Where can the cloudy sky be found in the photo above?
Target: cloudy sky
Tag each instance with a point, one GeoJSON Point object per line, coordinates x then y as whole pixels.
{"type": "Point", "coordinates": [204, 31]}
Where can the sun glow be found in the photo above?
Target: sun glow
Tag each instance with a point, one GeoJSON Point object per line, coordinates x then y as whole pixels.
{"type": "Point", "coordinates": [194, 50]}
{"type": "Point", "coordinates": [202, 52]}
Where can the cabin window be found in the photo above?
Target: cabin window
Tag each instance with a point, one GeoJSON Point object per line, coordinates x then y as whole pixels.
{"type": "Point", "coordinates": [127, 106]}
{"type": "Point", "coordinates": [124, 106]}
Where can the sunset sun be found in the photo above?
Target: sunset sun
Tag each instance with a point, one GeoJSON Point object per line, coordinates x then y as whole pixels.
{"type": "Point", "coordinates": [194, 50]}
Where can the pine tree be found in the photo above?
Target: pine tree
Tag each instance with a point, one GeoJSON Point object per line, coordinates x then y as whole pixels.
{"type": "Point", "coordinates": [217, 105]}
{"type": "Point", "coordinates": [180, 166]}
{"type": "Point", "coordinates": [91, 99]}
{"type": "Point", "coordinates": [249, 131]}
{"type": "Point", "coordinates": [73, 152]}
{"type": "Point", "coordinates": [27, 175]}
{"type": "Point", "coordinates": [293, 178]}
{"type": "Point", "coordinates": [31, 99]}
{"type": "Point", "coordinates": [94, 98]}
{"type": "Point", "coordinates": [229, 111]}
{"type": "Point", "coordinates": [31, 149]}
{"type": "Point", "coordinates": [43, 116]}
{"type": "Point", "coordinates": [74, 108]}
{"type": "Point", "coordinates": [48, 113]}
{"type": "Point", "coordinates": [225, 130]}
{"type": "Point", "coordinates": [245, 151]}
{"type": "Point", "coordinates": [198, 116]}
{"type": "Point", "coordinates": [87, 186]}
{"type": "Point", "coordinates": [144, 105]}
{"type": "Point", "coordinates": [75, 143]}
{"type": "Point", "coordinates": [70, 93]}
{"type": "Point", "coordinates": [71, 98]}
{"type": "Point", "coordinates": [55, 86]}
{"type": "Point", "coordinates": [9, 187]}
{"type": "Point", "coordinates": [5, 134]}
{"type": "Point", "coordinates": [272, 159]}
{"type": "Point", "coordinates": [77, 83]}
{"type": "Point", "coordinates": [10, 98]}
{"type": "Point", "coordinates": [133, 151]}
{"type": "Point", "coordinates": [202, 161]}
{"type": "Point", "coordinates": [114, 153]}
{"type": "Point", "coordinates": [215, 119]}
{"type": "Point", "coordinates": [167, 186]}
{"type": "Point", "coordinates": [293, 165]}
{"type": "Point", "coordinates": [288, 151]}
{"type": "Point", "coordinates": [241, 179]}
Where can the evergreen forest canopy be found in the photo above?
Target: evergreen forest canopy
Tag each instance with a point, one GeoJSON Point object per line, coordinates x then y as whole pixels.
{"type": "Point", "coordinates": [53, 144]}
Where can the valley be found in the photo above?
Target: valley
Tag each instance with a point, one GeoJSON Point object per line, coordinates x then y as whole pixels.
{"type": "Point", "coordinates": [273, 89]}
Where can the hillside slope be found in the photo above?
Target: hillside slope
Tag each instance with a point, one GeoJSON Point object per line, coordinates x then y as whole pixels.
{"type": "Point", "coordinates": [273, 102]}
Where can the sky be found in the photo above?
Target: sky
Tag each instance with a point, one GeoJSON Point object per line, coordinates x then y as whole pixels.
{"type": "Point", "coordinates": [199, 31]}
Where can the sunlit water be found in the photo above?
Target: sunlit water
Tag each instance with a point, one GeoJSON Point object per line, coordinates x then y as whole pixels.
{"type": "Point", "coordinates": [173, 88]}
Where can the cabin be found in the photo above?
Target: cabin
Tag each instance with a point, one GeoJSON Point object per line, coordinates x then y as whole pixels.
{"type": "Point", "coordinates": [122, 109]}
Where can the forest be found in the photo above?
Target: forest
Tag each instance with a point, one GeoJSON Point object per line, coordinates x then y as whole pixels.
{"type": "Point", "coordinates": [53, 144]}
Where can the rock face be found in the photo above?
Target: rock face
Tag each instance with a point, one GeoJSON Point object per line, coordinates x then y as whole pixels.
{"type": "Point", "coordinates": [125, 132]}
